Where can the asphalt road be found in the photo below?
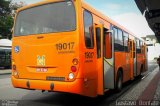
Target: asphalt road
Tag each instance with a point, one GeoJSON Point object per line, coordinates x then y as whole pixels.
{"type": "Point", "coordinates": [26, 97]}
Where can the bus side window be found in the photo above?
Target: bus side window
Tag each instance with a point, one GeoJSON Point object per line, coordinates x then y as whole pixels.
{"type": "Point", "coordinates": [138, 49]}
{"type": "Point", "coordinates": [115, 38]}
{"type": "Point", "coordinates": [126, 41]}
{"type": "Point", "coordinates": [141, 46]}
{"type": "Point", "coordinates": [88, 29]}
{"type": "Point", "coordinates": [2, 54]}
{"type": "Point", "coordinates": [119, 43]}
{"type": "Point", "coordinates": [134, 52]}
{"type": "Point", "coordinates": [98, 40]}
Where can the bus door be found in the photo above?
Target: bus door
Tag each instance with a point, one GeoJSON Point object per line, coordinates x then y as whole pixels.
{"type": "Point", "coordinates": [108, 59]}
{"type": "Point", "coordinates": [135, 58]}
{"type": "Point", "coordinates": [146, 57]}
{"type": "Point", "coordinates": [131, 51]}
{"type": "Point", "coordinates": [99, 51]}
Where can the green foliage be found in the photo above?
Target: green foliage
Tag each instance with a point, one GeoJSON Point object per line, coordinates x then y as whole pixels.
{"type": "Point", "coordinates": [7, 9]}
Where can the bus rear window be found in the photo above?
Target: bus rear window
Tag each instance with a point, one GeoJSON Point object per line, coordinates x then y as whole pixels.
{"type": "Point", "coordinates": [48, 18]}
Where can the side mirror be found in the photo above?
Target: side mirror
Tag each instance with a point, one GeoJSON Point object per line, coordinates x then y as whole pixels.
{"type": "Point", "coordinates": [108, 43]}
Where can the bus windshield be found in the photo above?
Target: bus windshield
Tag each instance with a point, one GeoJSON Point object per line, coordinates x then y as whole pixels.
{"type": "Point", "coordinates": [48, 18]}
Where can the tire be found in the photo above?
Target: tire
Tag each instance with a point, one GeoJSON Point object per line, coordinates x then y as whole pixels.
{"type": "Point", "coordinates": [119, 81]}
{"type": "Point", "coordinates": [141, 71]}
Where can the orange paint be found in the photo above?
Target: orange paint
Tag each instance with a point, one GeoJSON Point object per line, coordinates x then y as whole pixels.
{"type": "Point", "coordinates": [41, 62]}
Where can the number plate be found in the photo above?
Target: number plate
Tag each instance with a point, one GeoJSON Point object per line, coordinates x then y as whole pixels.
{"type": "Point", "coordinates": [41, 69]}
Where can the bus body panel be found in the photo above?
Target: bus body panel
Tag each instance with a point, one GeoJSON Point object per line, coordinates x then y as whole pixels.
{"type": "Point", "coordinates": [44, 61]}
{"type": "Point", "coordinates": [120, 64]}
{"type": "Point", "coordinates": [70, 87]}
{"type": "Point", "coordinates": [32, 49]}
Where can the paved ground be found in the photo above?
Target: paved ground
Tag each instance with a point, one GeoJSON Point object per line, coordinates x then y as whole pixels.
{"type": "Point", "coordinates": [132, 90]}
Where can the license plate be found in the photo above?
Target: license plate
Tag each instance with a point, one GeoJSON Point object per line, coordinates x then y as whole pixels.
{"type": "Point", "coordinates": [41, 69]}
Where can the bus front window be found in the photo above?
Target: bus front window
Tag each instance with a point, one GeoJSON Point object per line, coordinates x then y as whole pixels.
{"type": "Point", "coordinates": [48, 18]}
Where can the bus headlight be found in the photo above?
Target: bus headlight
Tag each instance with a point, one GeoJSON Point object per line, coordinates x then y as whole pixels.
{"type": "Point", "coordinates": [71, 76]}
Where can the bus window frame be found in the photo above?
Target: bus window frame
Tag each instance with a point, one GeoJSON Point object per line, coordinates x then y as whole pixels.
{"type": "Point", "coordinates": [98, 44]}
{"type": "Point", "coordinates": [16, 17]}
{"type": "Point", "coordinates": [124, 32]}
{"type": "Point", "coordinates": [118, 40]}
{"type": "Point", "coordinates": [91, 35]}
{"type": "Point", "coordinates": [111, 39]}
{"type": "Point", "coordinates": [138, 48]}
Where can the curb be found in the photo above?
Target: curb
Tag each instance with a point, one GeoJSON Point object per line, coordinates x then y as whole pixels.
{"type": "Point", "coordinates": [3, 72]}
{"type": "Point", "coordinates": [149, 92]}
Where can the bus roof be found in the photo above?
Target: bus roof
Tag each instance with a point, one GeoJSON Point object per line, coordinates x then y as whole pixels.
{"type": "Point", "coordinates": [90, 8]}
{"type": "Point", "coordinates": [37, 4]}
{"type": "Point", "coordinates": [5, 43]}
{"type": "Point", "coordinates": [106, 18]}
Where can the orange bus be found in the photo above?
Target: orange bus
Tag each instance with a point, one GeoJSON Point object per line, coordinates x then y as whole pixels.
{"type": "Point", "coordinates": [67, 46]}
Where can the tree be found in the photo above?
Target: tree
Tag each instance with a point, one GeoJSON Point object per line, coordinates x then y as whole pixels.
{"type": "Point", "coordinates": [4, 7]}
{"type": "Point", "coordinates": [7, 11]}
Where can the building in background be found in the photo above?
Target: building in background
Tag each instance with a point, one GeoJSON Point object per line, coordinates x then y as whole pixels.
{"type": "Point", "coordinates": [153, 46]}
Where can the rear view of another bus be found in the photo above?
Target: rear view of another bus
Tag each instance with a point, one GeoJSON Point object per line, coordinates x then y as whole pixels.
{"type": "Point", "coordinates": [45, 53]}
{"type": "Point", "coordinates": [5, 57]}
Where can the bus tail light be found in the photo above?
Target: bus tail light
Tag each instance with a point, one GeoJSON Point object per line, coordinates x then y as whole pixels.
{"type": "Point", "coordinates": [14, 67]}
{"type": "Point", "coordinates": [73, 69]}
{"type": "Point", "coordinates": [14, 72]}
{"type": "Point", "coordinates": [75, 61]}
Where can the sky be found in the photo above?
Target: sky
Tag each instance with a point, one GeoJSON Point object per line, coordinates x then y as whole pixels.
{"type": "Point", "coordinates": [124, 12]}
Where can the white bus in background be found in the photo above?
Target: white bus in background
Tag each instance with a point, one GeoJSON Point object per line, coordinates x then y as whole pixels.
{"type": "Point", "coordinates": [5, 53]}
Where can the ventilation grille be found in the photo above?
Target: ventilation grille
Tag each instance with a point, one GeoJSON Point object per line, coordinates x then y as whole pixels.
{"type": "Point", "coordinates": [55, 78]}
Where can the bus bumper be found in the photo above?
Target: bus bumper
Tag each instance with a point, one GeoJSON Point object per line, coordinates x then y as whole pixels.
{"type": "Point", "coordinates": [70, 87]}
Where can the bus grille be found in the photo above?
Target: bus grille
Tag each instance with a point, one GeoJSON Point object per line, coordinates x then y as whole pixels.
{"type": "Point", "coordinates": [55, 78]}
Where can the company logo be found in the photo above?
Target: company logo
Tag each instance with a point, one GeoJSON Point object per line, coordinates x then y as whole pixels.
{"type": "Point", "coordinates": [16, 49]}
{"type": "Point", "coordinates": [41, 60]}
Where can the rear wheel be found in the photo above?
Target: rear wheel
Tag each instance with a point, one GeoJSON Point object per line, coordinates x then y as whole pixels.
{"type": "Point", "coordinates": [119, 81]}
{"type": "Point", "coordinates": [141, 71]}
